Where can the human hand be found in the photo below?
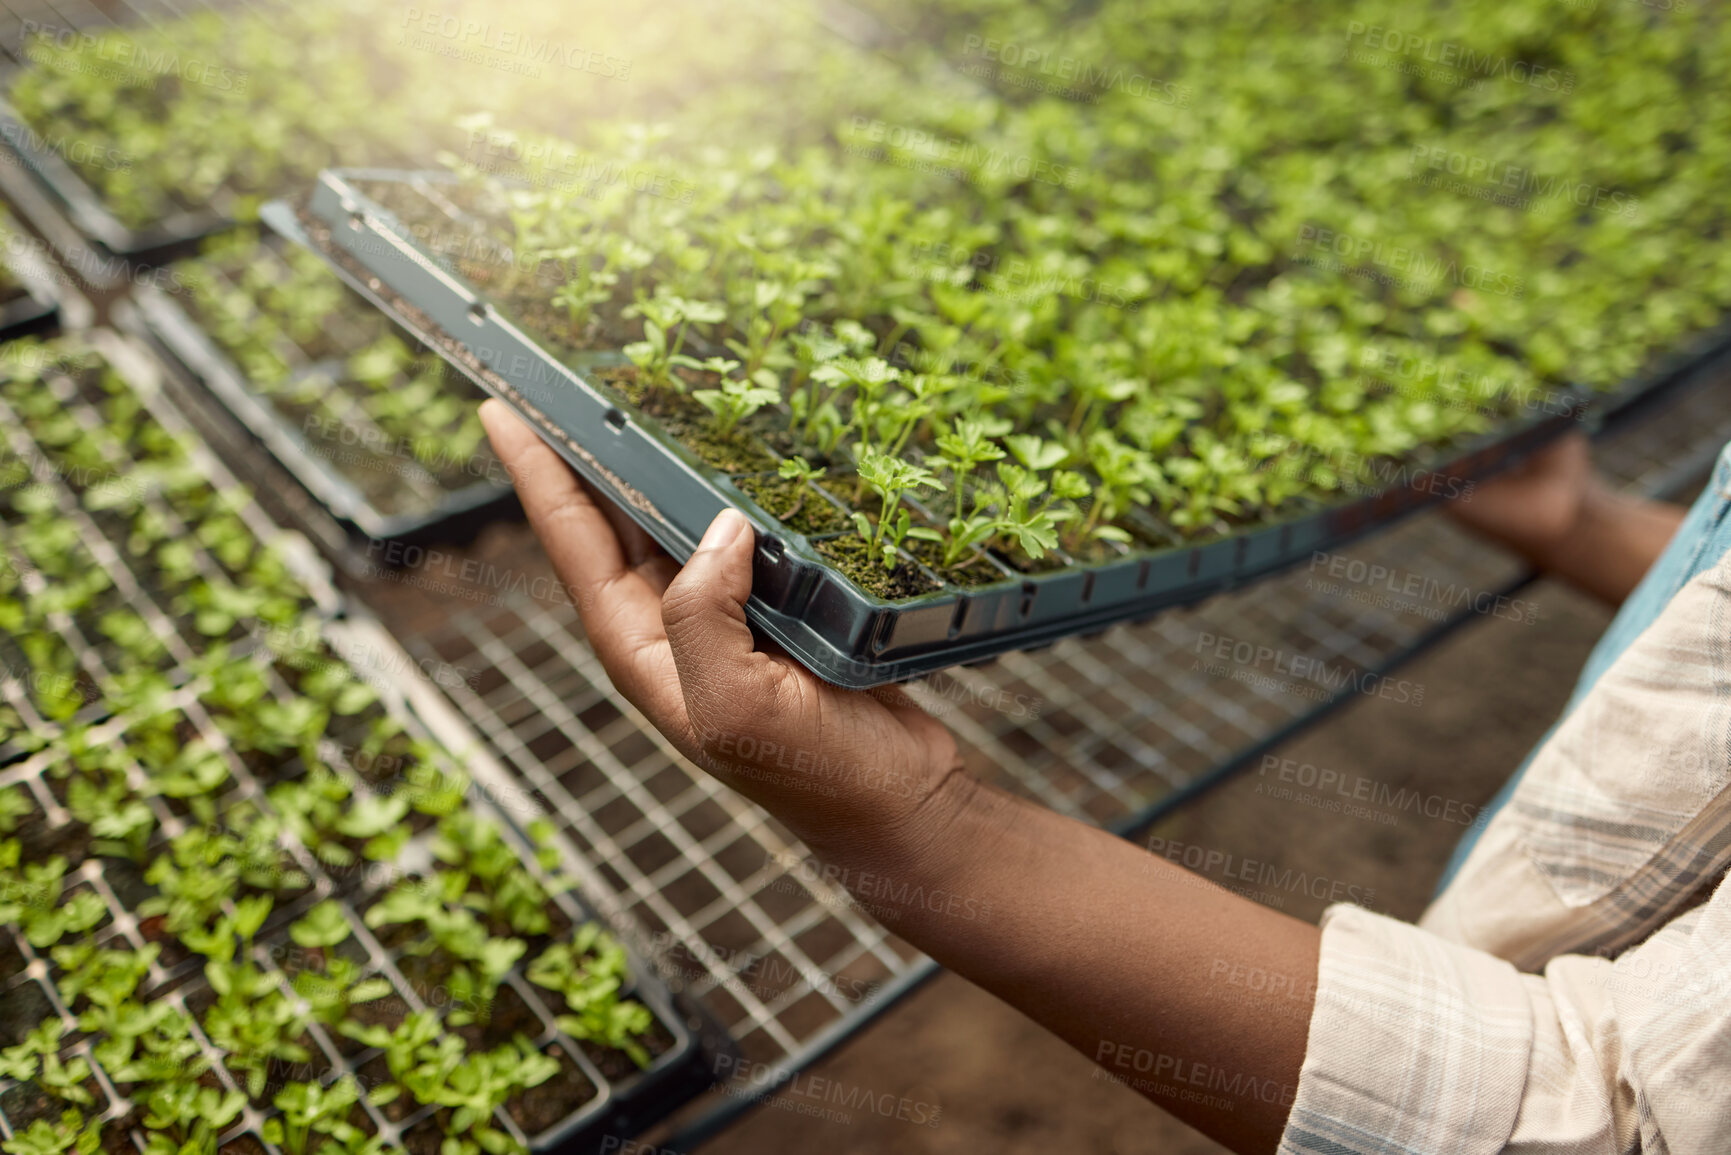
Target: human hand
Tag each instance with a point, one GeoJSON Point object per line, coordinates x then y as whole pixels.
{"type": "Point", "coordinates": [676, 644]}
{"type": "Point", "coordinates": [1534, 507]}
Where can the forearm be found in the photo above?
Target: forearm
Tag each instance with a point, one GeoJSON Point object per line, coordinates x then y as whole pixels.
{"type": "Point", "coordinates": [1613, 544]}
{"type": "Point", "coordinates": [1565, 520]}
{"type": "Point", "coordinates": [1124, 956]}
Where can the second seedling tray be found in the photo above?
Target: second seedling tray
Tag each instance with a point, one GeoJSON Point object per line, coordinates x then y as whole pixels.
{"type": "Point", "coordinates": [69, 208]}
{"type": "Point", "coordinates": [369, 484]}
{"type": "Point", "coordinates": [799, 599]}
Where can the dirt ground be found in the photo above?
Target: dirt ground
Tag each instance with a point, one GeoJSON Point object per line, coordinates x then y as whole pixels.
{"type": "Point", "coordinates": [1006, 1086]}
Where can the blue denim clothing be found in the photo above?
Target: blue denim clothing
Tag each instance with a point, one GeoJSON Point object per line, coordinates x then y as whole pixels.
{"type": "Point", "coordinates": [1701, 541]}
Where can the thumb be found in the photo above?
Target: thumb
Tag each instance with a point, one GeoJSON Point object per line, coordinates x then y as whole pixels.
{"type": "Point", "coordinates": [721, 674]}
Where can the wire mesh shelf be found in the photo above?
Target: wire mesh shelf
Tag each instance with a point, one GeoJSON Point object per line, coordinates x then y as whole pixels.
{"type": "Point", "coordinates": [1114, 730]}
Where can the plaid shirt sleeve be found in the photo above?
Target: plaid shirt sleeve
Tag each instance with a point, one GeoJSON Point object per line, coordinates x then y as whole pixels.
{"type": "Point", "coordinates": [1571, 990]}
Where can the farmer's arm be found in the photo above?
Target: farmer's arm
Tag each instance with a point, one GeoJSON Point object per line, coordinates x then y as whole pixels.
{"type": "Point", "coordinates": [1556, 512]}
{"type": "Point", "coordinates": [1121, 954]}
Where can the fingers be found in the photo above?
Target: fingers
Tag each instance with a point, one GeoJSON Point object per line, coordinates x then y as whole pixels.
{"type": "Point", "coordinates": [545, 483]}
{"type": "Point", "coordinates": [620, 603]}
{"type": "Point", "coordinates": [724, 678]}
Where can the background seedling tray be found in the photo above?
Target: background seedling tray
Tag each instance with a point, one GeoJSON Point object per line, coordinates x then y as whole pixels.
{"type": "Point", "coordinates": [101, 544]}
{"type": "Point", "coordinates": [619, 1105]}
{"type": "Point", "coordinates": [38, 298]}
{"type": "Point", "coordinates": [25, 307]}
{"type": "Point", "coordinates": [81, 211]}
{"type": "Point", "coordinates": [799, 599]}
{"type": "Point", "coordinates": [442, 512]}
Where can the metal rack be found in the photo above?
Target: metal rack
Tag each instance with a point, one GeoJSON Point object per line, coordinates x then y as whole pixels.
{"type": "Point", "coordinates": [1115, 730]}
{"type": "Point", "coordinates": [18, 17]}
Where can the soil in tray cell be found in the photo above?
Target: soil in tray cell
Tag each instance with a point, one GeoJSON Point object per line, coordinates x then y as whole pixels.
{"type": "Point", "coordinates": [690, 423]}
{"type": "Point", "coordinates": [508, 1017]}
{"type": "Point", "coordinates": [25, 1103]}
{"type": "Point", "coordinates": [539, 1108]}
{"type": "Point", "coordinates": [794, 504]}
{"type": "Point", "coordinates": [69, 840]}
{"type": "Point", "coordinates": [617, 1065]}
{"type": "Point", "coordinates": [852, 555]}
{"type": "Point", "coordinates": [12, 961]}
{"type": "Point", "coordinates": [973, 570]}
{"type": "Point", "coordinates": [23, 1007]}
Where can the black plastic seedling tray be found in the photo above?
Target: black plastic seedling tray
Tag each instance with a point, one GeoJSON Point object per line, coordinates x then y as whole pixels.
{"type": "Point", "coordinates": [97, 544]}
{"type": "Point", "coordinates": [69, 196]}
{"type": "Point", "coordinates": [800, 600]}
{"type": "Point", "coordinates": [615, 1101]}
{"type": "Point", "coordinates": [607, 1098]}
{"type": "Point", "coordinates": [24, 309]}
{"type": "Point", "coordinates": [407, 503]}
{"type": "Point", "coordinates": [34, 299]}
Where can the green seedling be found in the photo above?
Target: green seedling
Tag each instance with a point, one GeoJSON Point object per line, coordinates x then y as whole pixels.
{"type": "Point", "coordinates": [805, 478]}
{"type": "Point", "coordinates": [70, 1134]}
{"type": "Point", "coordinates": [310, 1109]}
{"type": "Point", "coordinates": [665, 322]}
{"type": "Point", "coordinates": [736, 400]}
{"type": "Point", "coordinates": [891, 479]}
{"type": "Point", "coordinates": [588, 972]}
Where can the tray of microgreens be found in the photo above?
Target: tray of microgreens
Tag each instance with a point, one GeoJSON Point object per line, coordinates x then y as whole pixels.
{"type": "Point", "coordinates": [146, 137]}
{"type": "Point", "coordinates": [142, 137]}
{"type": "Point", "coordinates": [260, 889]}
{"type": "Point", "coordinates": [910, 516]}
{"type": "Point", "coordinates": [376, 427]}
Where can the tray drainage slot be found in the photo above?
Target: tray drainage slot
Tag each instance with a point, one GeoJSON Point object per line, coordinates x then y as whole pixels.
{"type": "Point", "coordinates": [1029, 589]}
{"type": "Point", "coordinates": [957, 618]}
{"type": "Point", "coordinates": [886, 627]}
{"type": "Point", "coordinates": [478, 313]}
{"type": "Point", "coordinates": [616, 420]}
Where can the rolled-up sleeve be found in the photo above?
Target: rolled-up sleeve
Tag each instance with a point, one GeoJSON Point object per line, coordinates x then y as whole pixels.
{"type": "Point", "coordinates": [1418, 1044]}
